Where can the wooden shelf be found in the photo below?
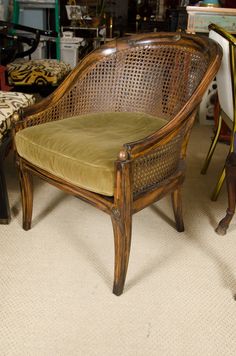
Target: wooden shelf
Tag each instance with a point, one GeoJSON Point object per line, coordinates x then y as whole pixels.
{"type": "Point", "coordinates": [200, 17]}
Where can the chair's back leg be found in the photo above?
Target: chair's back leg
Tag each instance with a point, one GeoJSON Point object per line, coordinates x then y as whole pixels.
{"type": "Point", "coordinates": [5, 216]}
{"type": "Point", "coordinates": [26, 185]}
{"type": "Point", "coordinates": [121, 216]}
{"type": "Point", "coordinates": [177, 208]}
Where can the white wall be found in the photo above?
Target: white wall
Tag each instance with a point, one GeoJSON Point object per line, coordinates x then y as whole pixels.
{"type": "Point", "coordinates": [29, 17]}
{"type": "Point", "coordinates": [3, 7]}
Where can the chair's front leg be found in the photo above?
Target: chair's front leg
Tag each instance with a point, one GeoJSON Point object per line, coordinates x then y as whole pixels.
{"type": "Point", "coordinates": [121, 216]}
{"type": "Point", "coordinates": [122, 226]}
{"type": "Point", "coordinates": [26, 186]}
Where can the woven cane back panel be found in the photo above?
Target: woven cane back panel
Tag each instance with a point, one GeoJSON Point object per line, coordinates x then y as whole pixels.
{"type": "Point", "coordinates": [151, 79]}
{"type": "Point", "coordinates": [154, 168]}
{"type": "Point", "coordinates": [156, 79]}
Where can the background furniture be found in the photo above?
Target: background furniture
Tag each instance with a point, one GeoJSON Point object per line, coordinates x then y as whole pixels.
{"type": "Point", "coordinates": [226, 94]}
{"type": "Point", "coordinates": [127, 112]}
{"type": "Point", "coordinates": [10, 106]}
{"type": "Point", "coordinates": [41, 75]}
{"type": "Point", "coordinates": [200, 17]}
{"type": "Point", "coordinates": [46, 5]}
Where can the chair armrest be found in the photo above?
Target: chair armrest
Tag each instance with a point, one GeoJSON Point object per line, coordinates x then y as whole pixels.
{"type": "Point", "coordinates": [156, 159]}
{"type": "Point", "coordinates": [177, 126]}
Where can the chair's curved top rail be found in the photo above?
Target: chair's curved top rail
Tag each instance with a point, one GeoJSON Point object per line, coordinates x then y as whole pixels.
{"type": "Point", "coordinates": [196, 43]}
{"type": "Point", "coordinates": [191, 45]}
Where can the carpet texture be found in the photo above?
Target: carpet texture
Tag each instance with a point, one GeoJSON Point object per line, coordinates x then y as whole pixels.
{"type": "Point", "coordinates": [56, 279]}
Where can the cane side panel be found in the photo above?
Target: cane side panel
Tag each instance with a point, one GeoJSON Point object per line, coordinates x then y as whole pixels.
{"type": "Point", "coordinates": [152, 169]}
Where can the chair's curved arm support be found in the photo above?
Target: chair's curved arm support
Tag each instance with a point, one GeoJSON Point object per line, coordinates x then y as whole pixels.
{"type": "Point", "coordinates": [135, 149]}
{"type": "Point", "coordinates": [157, 161]}
{"type": "Point", "coordinates": [167, 144]}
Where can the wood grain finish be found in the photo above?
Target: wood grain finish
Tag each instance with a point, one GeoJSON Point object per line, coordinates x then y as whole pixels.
{"type": "Point", "coordinates": [162, 74]}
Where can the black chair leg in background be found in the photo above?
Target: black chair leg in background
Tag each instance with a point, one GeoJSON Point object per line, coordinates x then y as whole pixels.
{"type": "Point", "coordinates": [230, 168]}
{"type": "Point", "coordinates": [5, 216]}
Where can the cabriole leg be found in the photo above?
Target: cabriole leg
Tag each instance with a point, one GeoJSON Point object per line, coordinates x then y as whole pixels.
{"type": "Point", "coordinates": [231, 190]}
{"type": "Point", "coordinates": [122, 226]}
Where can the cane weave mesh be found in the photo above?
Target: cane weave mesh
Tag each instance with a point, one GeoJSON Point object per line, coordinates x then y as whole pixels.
{"type": "Point", "coordinates": [157, 80]}
{"type": "Point", "coordinates": [152, 169]}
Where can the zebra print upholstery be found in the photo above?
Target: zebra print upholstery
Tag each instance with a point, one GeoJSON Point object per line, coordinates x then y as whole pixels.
{"type": "Point", "coordinates": [37, 72]}
{"type": "Point", "coordinates": [10, 103]}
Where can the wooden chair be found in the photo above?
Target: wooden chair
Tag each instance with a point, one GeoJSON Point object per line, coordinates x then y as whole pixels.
{"type": "Point", "coordinates": [115, 132]}
{"type": "Point", "coordinates": [226, 86]}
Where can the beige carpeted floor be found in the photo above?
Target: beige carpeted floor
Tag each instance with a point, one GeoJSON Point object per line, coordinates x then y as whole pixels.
{"type": "Point", "coordinates": [56, 279]}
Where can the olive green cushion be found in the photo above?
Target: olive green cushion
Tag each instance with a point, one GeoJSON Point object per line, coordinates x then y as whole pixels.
{"type": "Point", "coordinates": [82, 149]}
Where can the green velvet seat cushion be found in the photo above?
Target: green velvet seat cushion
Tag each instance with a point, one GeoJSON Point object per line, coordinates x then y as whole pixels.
{"type": "Point", "coordinates": [82, 149]}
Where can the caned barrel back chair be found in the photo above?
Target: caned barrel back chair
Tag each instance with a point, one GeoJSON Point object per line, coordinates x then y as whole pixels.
{"type": "Point", "coordinates": [115, 132]}
{"type": "Point", "coordinates": [226, 86]}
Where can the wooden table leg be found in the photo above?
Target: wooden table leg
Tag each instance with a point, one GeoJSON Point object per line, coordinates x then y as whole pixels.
{"type": "Point", "coordinates": [231, 189]}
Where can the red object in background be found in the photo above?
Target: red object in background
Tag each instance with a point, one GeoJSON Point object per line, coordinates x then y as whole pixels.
{"type": "Point", "coordinates": [172, 3]}
{"type": "Point", "coordinates": [3, 83]}
{"type": "Point", "coordinates": [229, 3]}
{"type": "Point", "coordinates": [225, 132]}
